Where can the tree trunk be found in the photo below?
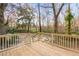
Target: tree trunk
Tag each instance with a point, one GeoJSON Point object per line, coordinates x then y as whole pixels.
{"type": "Point", "coordinates": [1, 13]}
{"type": "Point", "coordinates": [39, 17]}
{"type": "Point", "coordinates": [28, 26]}
{"type": "Point", "coordinates": [56, 25]}
{"type": "Point", "coordinates": [2, 25]}
{"type": "Point", "coordinates": [69, 27]}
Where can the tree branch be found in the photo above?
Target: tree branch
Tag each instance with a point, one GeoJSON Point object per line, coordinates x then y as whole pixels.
{"type": "Point", "coordinates": [53, 6]}
{"type": "Point", "coordinates": [60, 9]}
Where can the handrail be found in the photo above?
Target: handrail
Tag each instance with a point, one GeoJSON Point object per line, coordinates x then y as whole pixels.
{"type": "Point", "coordinates": [70, 42]}
{"type": "Point", "coordinates": [9, 41]}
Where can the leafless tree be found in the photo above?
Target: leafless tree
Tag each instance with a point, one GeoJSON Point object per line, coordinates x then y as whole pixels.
{"type": "Point", "coordinates": [56, 14]}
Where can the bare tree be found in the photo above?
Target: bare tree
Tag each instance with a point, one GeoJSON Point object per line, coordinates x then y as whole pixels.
{"type": "Point", "coordinates": [56, 14]}
{"type": "Point", "coordinates": [39, 18]}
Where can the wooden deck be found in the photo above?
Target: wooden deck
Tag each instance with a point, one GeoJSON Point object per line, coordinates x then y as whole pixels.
{"type": "Point", "coordinates": [40, 49]}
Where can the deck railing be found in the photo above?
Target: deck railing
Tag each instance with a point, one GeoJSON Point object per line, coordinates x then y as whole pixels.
{"type": "Point", "coordinates": [8, 42]}
{"type": "Point", "coordinates": [11, 41]}
{"type": "Point", "coordinates": [66, 41]}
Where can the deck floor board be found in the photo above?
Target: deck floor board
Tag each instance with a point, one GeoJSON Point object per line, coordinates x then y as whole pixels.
{"type": "Point", "coordinates": [40, 49]}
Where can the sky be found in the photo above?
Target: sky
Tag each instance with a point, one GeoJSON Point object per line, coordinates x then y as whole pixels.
{"type": "Point", "coordinates": [11, 8]}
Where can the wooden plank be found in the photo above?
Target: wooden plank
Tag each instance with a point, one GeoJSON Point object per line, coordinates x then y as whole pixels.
{"type": "Point", "coordinates": [39, 49]}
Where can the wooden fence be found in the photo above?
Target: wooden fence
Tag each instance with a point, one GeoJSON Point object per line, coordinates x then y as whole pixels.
{"type": "Point", "coordinates": [70, 42]}
{"type": "Point", "coordinates": [8, 42]}
{"type": "Point", "coordinates": [11, 41]}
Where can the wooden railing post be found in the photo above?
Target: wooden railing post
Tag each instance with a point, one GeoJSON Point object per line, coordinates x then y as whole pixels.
{"type": "Point", "coordinates": [60, 40]}
{"type": "Point", "coordinates": [70, 42]}
{"type": "Point", "coordinates": [76, 43]}
{"type": "Point", "coordinates": [63, 41]}
{"type": "Point", "coordinates": [73, 43]}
